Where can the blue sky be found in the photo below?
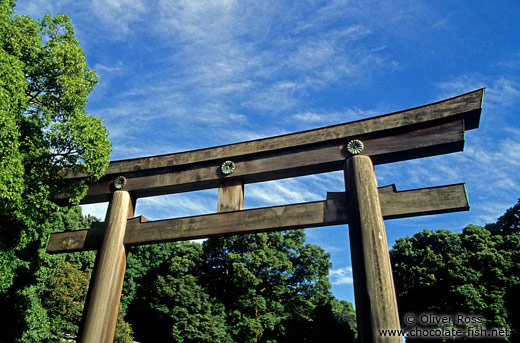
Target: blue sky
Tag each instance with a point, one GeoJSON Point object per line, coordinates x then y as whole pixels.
{"type": "Point", "coordinates": [188, 74]}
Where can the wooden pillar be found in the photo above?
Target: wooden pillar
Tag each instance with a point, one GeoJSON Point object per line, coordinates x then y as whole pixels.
{"type": "Point", "coordinates": [104, 294]}
{"type": "Point", "coordinates": [115, 298]}
{"type": "Point", "coordinates": [376, 304]}
{"type": "Point", "coordinates": [230, 196]}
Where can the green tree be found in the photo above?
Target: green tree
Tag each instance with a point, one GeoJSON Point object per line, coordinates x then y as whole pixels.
{"type": "Point", "coordinates": [509, 222]}
{"type": "Point", "coordinates": [335, 321]}
{"type": "Point", "coordinates": [173, 306]}
{"type": "Point", "coordinates": [274, 286]}
{"type": "Point", "coordinates": [44, 131]}
{"type": "Point", "coordinates": [473, 272]}
{"type": "Point", "coordinates": [251, 288]}
{"type": "Point", "coordinates": [63, 298]}
{"type": "Point", "coordinates": [141, 268]}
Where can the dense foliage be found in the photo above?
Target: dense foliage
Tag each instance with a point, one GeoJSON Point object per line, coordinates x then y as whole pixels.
{"type": "Point", "coordinates": [252, 288]}
{"type": "Point", "coordinates": [476, 272]}
{"type": "Point", "coordinates": [44, 131]}
{"type": "Point", "coordinates": [61, 290]}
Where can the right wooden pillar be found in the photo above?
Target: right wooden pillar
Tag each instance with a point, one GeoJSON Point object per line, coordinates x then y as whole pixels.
{"type": "Point", "coordinates": [376, 304]}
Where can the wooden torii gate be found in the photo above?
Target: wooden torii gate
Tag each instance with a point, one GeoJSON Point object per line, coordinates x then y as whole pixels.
{"type": "Point", "coordinates": [354, 147]}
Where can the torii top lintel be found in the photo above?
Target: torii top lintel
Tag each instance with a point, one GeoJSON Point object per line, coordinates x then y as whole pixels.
{"type": "Point", "coordinates": [429, 130]}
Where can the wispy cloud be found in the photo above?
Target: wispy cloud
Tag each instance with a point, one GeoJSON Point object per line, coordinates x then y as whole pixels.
{"type": "Point", "coordinates": [341, 276]}
{"type": "Point", "coordinates": [243, 134]}
{"type": "Point", "coordinates": [324, 117]}
{"type": "Point", "coordinates": [108, 69]}
{"type": "Point", "coordinates": [36, 8]}
{"type": "Point", "coordinates": [119, 16]}
{"type": "Point", "coordinates": [280, 192]}
{"type": "Point", "coordinates": [177, 205]}
{"type": "Point", "coordinates": [240, 47]}
{"type": "Point", "coordinates": [511, 62]}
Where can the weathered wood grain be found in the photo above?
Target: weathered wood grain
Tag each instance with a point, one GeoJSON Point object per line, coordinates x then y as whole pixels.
{"type": "Point", "coordinates": [394, 204]}
{"type": "Point", "coordinates": [374, 291]}
{"type": "Point", "coordinates": [100, 312]}
{"type": "Point", "coordinates": [230, 196]}
{"type": "Point", "coordinates": [425, 201]}
{"type": "Point", "coordinates": [397, 146]}
{"type": "Point", "coordinates": [467, 106]}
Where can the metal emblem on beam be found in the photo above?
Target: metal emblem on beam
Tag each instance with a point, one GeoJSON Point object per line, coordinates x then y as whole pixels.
{"type": "Point", "coordinates": [355, 147]}
{"type": "Point", "coordinates": [227, 167]}
{"type": "Point", "coordinates": [119, 182]}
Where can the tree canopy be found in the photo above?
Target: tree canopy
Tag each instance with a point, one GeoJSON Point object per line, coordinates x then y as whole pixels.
{"type": "Point", "coordinates": [252, 288]}
{"type": "Point", "coordinates": [45, 133]}
{"type": "Point", "coordinates": [473, 272]}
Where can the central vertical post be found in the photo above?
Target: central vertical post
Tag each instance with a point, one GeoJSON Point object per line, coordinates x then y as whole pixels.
{"type": "Point", "coordinates": [230, 196]}
{"type": "Point", "coordinates": [376, 304]}
{"type": "Point", "coordinates": [102, 304]}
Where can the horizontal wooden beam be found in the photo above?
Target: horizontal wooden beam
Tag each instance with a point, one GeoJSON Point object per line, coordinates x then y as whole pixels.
{"type": "Point", "coordinates": [467, 106]}
{"type": "Point", "coordinates": [329, 156]}
{"type": "Point", "coordinates": [394, 204]}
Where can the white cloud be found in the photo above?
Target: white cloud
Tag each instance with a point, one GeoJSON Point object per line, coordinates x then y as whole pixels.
{"type": "Point", "coordinates": [324, 117]}
{"type": "Point", "coordinates": [512, 62]}
{"type": "Point", "coordinates": [119, 16]}
{"type": "Point", "coordinates": [36, 8]}
{"type": "Point", "coordinates": [242, 134]}
{"type": "Point", "coordinates": [177, 205]}
{"type": "Point", "coordinates": [232, 50]}
{"type": "Point", "coordinates": [196, 20]}
{"type": "Point", "coordinates": [341, 276]}
{"type": "Point", "coordinates": [106, 69]}
{"type": "Point", "coordinates": [280, 192]}
{"type": "Point", "coordinates": [132, 149]}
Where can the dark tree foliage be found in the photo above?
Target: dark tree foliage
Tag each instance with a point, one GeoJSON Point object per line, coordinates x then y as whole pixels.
{"type": "Point", "coordinates": [173, 306]}
{"type": "Point", "coordinates": [270, 284]}
{"type": "Point", "coordinates": [508, 223]}
{"type": "Point", "coordinates": [63, 298]}
{"type": "Point", "coordinates": [334, 321]}
{"type": "Point", "coordinates": [473, 272]}
{"type": "Point", "coordinates": [252, 288]}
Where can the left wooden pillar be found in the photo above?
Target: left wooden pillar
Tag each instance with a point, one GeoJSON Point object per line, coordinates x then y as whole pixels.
{"type": "Point", "coordinates": [104, 294]}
